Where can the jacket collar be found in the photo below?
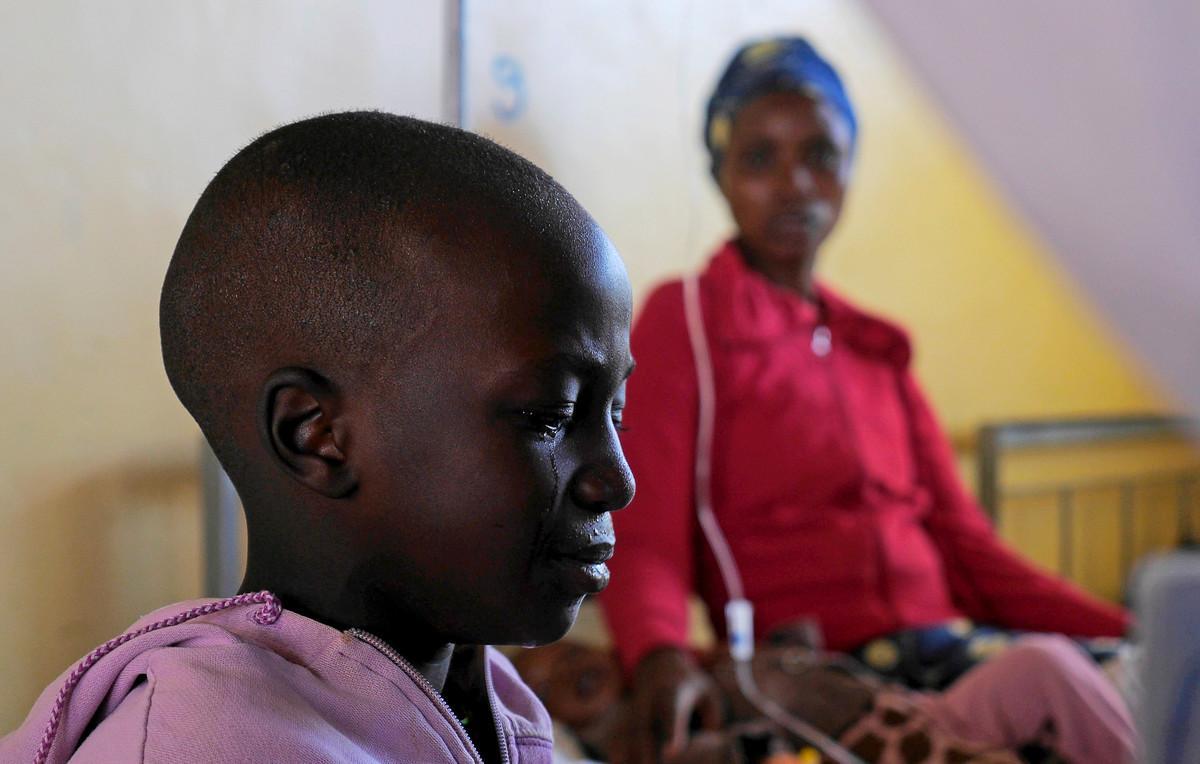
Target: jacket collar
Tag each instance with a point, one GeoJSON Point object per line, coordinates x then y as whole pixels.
{"type": "Point", "coordinates": [746, 307]}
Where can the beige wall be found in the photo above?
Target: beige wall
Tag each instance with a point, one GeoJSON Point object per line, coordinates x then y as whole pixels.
{"type": "Point", "coordinates": [116, 115]}
{"type": "Point", "coordinates": [615, 114]}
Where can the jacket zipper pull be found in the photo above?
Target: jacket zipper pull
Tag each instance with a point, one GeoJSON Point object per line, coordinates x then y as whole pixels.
{"type": "Point", "coordinates": [822, 341]}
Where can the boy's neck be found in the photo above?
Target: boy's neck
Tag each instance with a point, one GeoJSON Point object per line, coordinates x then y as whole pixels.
{"type": "Point", "coordinates": [430, 656]}
{"type": "Point", "coordinates": [434, 665]}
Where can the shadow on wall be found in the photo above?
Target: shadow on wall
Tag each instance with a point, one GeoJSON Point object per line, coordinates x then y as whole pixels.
{"type": "Point", "coordinates": [89, 559]}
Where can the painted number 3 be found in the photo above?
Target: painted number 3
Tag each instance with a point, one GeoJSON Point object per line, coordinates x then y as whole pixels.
{"type": "Point", "coordinates": [510, 80]}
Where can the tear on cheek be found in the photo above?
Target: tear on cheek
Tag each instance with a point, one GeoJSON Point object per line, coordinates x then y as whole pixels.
{"type": "Point", "coordinates": [554, 493]}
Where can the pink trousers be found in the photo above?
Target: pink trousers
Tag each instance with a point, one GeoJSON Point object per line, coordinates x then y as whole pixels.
{"type": "Point", "coordinates": [1042, 689]}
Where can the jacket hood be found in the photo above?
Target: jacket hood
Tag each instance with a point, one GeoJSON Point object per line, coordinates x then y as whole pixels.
{"type": "Point", "coordinates": [313, 681]}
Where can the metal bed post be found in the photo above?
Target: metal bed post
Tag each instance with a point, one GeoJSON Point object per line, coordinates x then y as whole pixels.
{"type": "Point", "coordinates": [222, 523]}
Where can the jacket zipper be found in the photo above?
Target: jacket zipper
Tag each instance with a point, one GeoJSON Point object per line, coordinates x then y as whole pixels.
{"type": "Point", "coordinates": [822, 347]}
{"type": "Point", "coordinates": [423, 683]}
{"type": "Point", "coordinates": [491, 692]}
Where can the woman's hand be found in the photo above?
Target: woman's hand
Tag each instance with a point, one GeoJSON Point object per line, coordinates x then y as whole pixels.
{"type": "Point", "coordinates": [669, 691]}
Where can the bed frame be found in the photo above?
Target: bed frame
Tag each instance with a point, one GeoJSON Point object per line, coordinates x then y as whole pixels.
{"type": "Point", "coordinates": [1001, 440]}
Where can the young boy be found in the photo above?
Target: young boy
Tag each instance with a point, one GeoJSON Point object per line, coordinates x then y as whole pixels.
{"type": "Point", "coordinates": [408, 348]}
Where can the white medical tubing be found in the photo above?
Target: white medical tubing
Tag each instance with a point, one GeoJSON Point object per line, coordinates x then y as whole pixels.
{"type": "Point", "coordinates": [739, 612]}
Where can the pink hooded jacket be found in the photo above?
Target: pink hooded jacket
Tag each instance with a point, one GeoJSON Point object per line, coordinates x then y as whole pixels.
{"type": "Point", "coordinates": [241, 679]}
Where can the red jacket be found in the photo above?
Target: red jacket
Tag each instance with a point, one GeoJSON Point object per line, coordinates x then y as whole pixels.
{"type": "Point", "coordinates": [831, 479]}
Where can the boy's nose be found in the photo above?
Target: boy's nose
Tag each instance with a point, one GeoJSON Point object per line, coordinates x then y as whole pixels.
{"type": "Point", "coordinates": [603, 487]}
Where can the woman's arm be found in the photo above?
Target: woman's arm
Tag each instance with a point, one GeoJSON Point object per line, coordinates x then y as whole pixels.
{"type": "Point", "coordinates": [653, 569]}
{"type": "Point", "coordinates": [989, 581]}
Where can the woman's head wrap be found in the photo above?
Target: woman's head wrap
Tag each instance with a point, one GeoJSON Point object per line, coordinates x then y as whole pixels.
{"type": "Point", "coordinates": [787, 64]}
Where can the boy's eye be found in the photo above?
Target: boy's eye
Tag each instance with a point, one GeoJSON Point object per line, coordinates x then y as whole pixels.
{"type": "Point", "coordinates": [546, 424]}
{"type": "Point", "coordinates": [618, 418]}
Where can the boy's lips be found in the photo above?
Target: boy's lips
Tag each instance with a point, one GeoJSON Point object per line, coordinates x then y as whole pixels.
{"type": "Point", "coordinates": [582, 568]}
{"type": "Point", "coordinates": [592, 554]}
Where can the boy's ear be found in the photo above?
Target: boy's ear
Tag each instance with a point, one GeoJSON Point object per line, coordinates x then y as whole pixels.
{"type": "Point", "coordinates": [302, 423]}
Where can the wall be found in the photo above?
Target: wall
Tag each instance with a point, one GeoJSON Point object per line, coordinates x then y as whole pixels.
{"type": "Point", "coordinates": [1033, 88]}
{"type": "Point", "coordinates": [609, 95]}
{"type": "Point", "coordinates": [116, 115]}
{"type": "Point", "coordinates": [615, 113]}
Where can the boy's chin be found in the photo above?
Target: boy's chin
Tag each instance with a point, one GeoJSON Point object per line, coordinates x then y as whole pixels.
{"type": "Point", "coordinates": [550, 625]}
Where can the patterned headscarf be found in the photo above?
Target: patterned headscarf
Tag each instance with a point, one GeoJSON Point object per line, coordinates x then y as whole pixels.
{"type": "Point", "coordinates": [769, 66]}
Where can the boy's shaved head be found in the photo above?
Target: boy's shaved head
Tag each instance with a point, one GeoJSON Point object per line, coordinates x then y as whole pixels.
{"type": "Point", "coordinates": [407, 346]}
{"type": "Point", "coordinates": [314, 247]}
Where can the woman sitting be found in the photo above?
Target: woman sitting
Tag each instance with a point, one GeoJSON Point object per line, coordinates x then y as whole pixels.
{"type": "Point", "coordinates": [830, 477]}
